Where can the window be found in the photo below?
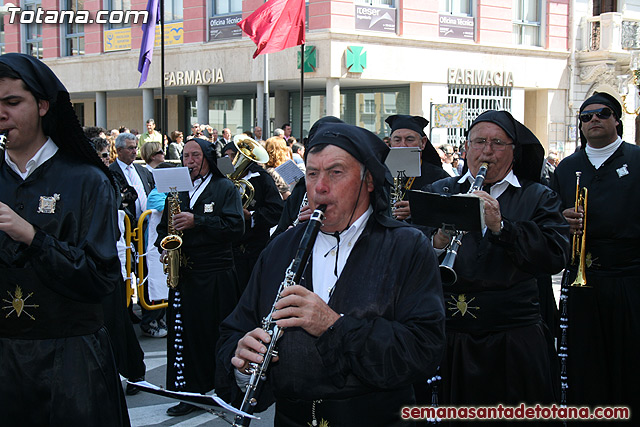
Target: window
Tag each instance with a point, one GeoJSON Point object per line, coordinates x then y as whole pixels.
{"type": "Point", "coordinates": [458, 7]}
{"type": "Point", "coordinates": [477, 99]}
{"type": "Point", "coordinates": [604, 6]}
{"type": "Point", "coordinates": [224, 7]}
{"type": "Point", "coordinates": [73, 33]}
{"type": "Point", "coordinates": [33, 33]}
{"type": "Point", "coordinates": [173, 10]}
{"type": "Point", "coordinates": [123, 5]}
{"type": "Point", "coordinates": [527, 22]}
{"type": "Point", "coordinates": [376, 2]}
{"type": "Point", "coordinates": [1, 32]}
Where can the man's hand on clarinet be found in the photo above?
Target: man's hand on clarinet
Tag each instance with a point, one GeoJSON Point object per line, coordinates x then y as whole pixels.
{"type": "Point", "coordinates": [299, 306]}
{"type": "Point", "coordinates": [402, 210]}
{"type": "Point", "coordinates": [492, 215]}
{"type": "Point", "coordinates": [251, 349]}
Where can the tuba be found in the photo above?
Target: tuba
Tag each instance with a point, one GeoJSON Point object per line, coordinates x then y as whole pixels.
{"type": "Point", "coordinates": [248, 151]}
{"type": "Point", "coordinates": [579, 243]}
{"type": "Point", "coordinates": [172, 242]}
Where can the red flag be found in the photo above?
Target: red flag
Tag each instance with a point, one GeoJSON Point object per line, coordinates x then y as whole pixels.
{"type": "Point", "coordinates": [276, 25]}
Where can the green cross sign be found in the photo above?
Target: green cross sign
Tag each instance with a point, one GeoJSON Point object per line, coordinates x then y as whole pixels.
{"type": "Point", "coordinates": [356, 59]}
{"type": "Point", "coordinates": [310, 59]}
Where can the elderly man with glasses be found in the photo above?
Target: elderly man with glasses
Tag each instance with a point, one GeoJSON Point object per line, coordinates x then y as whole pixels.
{"type": "Point", "coordinates": [498, 348]}
{"type": "Point", "coordinates": [604, 327]}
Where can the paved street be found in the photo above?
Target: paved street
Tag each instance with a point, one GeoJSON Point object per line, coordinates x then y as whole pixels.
{"type": "Point", "coordinates": [150, 410]}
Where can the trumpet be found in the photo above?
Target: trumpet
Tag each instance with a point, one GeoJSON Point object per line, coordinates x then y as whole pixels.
{"type": "Point", "coordinates": [248, 151]}
{"type": "Point", "coordinates": [579, 241]}
{"type": "Point", "coordinates": [447, 273]}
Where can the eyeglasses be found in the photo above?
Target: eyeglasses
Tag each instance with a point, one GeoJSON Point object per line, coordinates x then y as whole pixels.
{"type": "Point", "coordinates": [158, 152]}
{"type": "Point", "coordinates": [601, 113]}
{"type": "Point", "coordinates": [104, 155]}
{"type": "Point", "coordinates": [496, 144]}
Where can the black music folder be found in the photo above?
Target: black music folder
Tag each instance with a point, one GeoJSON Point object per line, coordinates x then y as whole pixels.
{"type": "Point", "coordinates": [457, 212]}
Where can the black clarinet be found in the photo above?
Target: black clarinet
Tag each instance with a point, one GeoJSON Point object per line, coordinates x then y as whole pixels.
{"type": "Point", "coordinates": [447, 273]}
{"type": "Point", "coordinates": [3, 146]}
{"type": "Point", "coordinates": [292, 277]}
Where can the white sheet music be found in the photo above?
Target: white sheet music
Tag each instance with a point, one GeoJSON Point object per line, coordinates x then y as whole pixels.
{"type": "Point", "coordinates": [169, 178]}
{"type": "Point", "coordinates": [176, 395]}
{"type": "Point", "coordinates": [406, 159]}
{"type": "Point", "coordinates": [290, 172]}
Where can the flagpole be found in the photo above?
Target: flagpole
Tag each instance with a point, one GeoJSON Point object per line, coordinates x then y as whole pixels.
{"type": "Point", "coordinates": [266, 126]}
{"type": "Point", "coordinates": [301, 91]}
{"type": "Point", "coordinates": [163, 112]}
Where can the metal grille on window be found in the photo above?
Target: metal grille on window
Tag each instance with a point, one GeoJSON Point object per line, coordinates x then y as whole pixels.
{"type": "Point", "coordinates": [477, 99]}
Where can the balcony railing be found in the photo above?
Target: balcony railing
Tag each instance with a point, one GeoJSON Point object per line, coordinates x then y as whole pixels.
{"type": "Point", "coordinates": [612, 32]}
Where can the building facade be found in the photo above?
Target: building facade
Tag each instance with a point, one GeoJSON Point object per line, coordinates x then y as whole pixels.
{"type": "Point", "coordinates": [447, 60]}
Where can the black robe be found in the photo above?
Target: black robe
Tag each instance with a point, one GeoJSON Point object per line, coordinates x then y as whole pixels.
{"type": "Point", "coordinates": [291, 208]}
{"type": "Point", "coordinates": [207, 289]}
{"type": "Point", "coordinates": [391, 332]}
{"type": "Point", "coordinates": [267, 208]}
{"type": "Point", "coordinates": [498, 348]}
{"type": "Point", "coordinates": [604, 324]}
{"type": "Point", "coordinates": [57, 366]}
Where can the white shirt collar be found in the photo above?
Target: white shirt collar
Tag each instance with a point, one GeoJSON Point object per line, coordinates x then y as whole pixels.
{"type": "Point", "coordinates": [499, 187]}
{"type": "Point", "coordinates": [47, 151]}
{"type": "Point", "coordinates": [329, 259]}
{"type": "Point", "coordinates": [123, 165]}
{"type": "Point", "coordinates": [597, 156]}
{"type": "Point", "coordinates": [198, 187]}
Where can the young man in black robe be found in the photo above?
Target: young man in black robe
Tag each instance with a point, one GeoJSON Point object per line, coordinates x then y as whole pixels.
{"type": "Point", "coordinates": [367, 319]}
{"type": "Point", "coordinates": [603, 321]}
{"type": "Point", "coordinates": [210, 221]}
{"type": "Point", "coordinates": [58, 259]}
{"type": "Point", "coordinates": [262, 213]}
{"type": "Point", "coordinates": [408, 131]}
{"type": "Point", "coordinates": [498, 348]}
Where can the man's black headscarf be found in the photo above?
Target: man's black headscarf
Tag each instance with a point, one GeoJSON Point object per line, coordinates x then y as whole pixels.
{"type": "Point", "coordinates": [364, 146]}
{"type": "Point", "coordinates": [416, 124]}
{"type": "Point", "coordinates": [528, 156]}
{"type": "Point", "coordinates": [604, 99]}
{"type": "Point", "coordinates": [209, 153]}
{"type": "Point", "coordinates": [60, 123]}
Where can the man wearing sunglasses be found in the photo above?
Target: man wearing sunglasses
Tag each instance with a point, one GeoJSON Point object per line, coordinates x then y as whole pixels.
{"type": "Point", "coordinates": [494, 327]}
{"type": "Point", "coordinates": [604, 326]}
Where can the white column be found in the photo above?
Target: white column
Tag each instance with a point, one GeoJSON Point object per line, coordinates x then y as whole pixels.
{"type": "Point", "coordinates": [202, 104]}
{"type": "Point", "coordinates": [101, 109]}
{"type": "Point", "coordinates": [148, 107]}
{"type": "Point", "coordinates": [333, 97]}
{"type": "Point", "coordinates": [260, 107]}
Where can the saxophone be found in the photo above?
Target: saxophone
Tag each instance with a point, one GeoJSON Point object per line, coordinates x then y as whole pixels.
{"type": "Point", "coordinates": [172, 242]}
{"type": "Point", "coordinates": [292, 277]}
